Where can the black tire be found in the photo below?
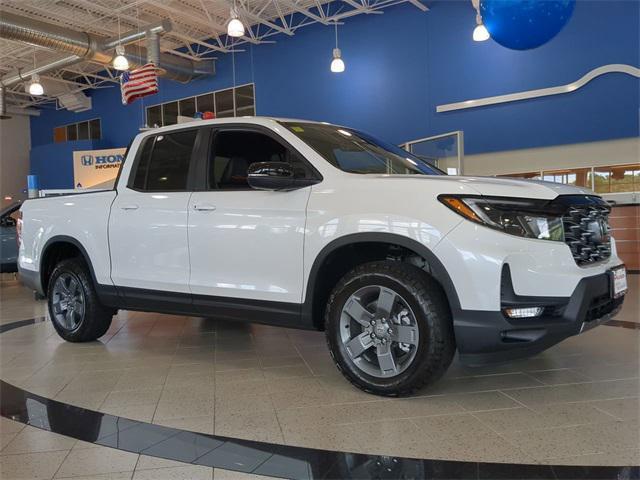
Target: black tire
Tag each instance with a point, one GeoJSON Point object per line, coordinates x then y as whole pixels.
{"type": "Point", "coordinates": [424, 295]}
{"type": "Point", "coordinates": [95, 319]}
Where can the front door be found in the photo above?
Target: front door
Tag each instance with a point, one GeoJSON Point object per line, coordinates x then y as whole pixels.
{"type": "Point", "coordinates": [245, 243]}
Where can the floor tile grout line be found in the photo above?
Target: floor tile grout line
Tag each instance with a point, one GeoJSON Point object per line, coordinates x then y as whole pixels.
{"type": "Point", "coordinates": [500, 435]}
{"type": "Point", "coordinates": [62, 463]}
{"type": "Point", "coordinates": [619, 419]}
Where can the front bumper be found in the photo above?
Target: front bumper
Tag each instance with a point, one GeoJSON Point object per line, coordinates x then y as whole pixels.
{"type": "Point", "coordinates": [490, 336]}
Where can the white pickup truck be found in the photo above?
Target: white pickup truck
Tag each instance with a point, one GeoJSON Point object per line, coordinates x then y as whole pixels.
{"type": "Point", "coordinates": [317, 226]}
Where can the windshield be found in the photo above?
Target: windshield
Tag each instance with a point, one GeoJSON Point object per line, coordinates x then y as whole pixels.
{"type": "Point", "coordinates": [356, 152]}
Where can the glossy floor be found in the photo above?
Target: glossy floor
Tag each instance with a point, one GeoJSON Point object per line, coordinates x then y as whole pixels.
{"type": "Point", "coordinates": [575, 404]}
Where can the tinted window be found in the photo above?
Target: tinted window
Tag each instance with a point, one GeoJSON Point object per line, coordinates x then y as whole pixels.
{"type": "Point", "coordinates": [164, 164]}
{"type": "Point", "coordinates": [139, 180]}
{"type": "Point", "coordinates": [234, 150]}
{"type": "Point", "coordinates": [94, 129]}
{"type": "Point", "coordinates": [83, 131]}
{"type": "Point", "coordinates": [224, 103]}
{"type": "Point", "coordinates": [170, 113]}
{"type": "Point", "coordinates": [154, 116]}
{"type": "Point", "coordinates": [356, 152]}
{"type": "Point", "coordinates": [187, 107]}
{"type": "Point", "coordinates": [72, 132]}
{"type": "Point", "coordinates": [205, 103]}
{"type": "Point", "coordinates": [245, 101]}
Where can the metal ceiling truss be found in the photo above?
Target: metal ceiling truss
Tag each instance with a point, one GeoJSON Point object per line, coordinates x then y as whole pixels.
{"type": "Point", "coordinates": [199, 30]}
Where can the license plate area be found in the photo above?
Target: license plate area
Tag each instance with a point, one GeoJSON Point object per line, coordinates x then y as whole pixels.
{"type": "Point", "coordinates": [618, 277]}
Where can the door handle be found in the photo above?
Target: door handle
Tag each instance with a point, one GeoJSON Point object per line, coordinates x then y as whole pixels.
{"type": "Point", "coordinates": [204, 207]}
{"type": "Point", "coordinates": [129, 207]}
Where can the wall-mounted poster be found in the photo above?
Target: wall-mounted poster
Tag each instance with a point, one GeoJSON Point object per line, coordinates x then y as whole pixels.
{"type": "Point", "coordinates": [96, 168]}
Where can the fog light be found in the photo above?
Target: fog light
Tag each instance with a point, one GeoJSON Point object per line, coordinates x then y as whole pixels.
{"type": "Point", "coordinates": [528, 312]}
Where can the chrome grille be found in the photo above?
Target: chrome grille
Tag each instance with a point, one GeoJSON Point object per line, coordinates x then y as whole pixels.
{"type": "Point", "coordinates": [586, 231]}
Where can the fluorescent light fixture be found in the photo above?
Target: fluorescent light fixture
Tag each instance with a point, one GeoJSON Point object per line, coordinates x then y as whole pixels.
{"type": "Point", "coordinates": [344, 132]}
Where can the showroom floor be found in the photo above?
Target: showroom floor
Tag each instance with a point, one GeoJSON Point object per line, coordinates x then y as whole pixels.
{"type": "Point", "coordinates": [576, 404]}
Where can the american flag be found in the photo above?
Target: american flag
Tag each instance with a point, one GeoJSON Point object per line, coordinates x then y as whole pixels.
{"type": "Point", "coordinates": [139, 83]}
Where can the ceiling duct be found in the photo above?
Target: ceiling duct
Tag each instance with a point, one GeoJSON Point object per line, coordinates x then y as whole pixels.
{"type": "Point", "coordinates": [86, 46]}
{"type": "Point", "coordinates": [75, 102]}
{"type": "Point", "coordinates": [3, 105]}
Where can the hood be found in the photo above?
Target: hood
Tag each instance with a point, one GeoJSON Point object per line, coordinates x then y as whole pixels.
{"type": "Point", "coordinates": [514, 187]}
{"type": "Point", "coordinates": [502, 187]}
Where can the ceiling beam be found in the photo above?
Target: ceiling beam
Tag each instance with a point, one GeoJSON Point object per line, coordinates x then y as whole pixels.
{"type": "Point", "coordinates": [419, 4]}
{"type": "Point", "coordinates": [297, 8]}
{"type": "Point", "coordinates": [258, 19]}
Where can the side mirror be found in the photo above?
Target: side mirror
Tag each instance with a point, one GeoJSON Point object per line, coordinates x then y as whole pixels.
{"type": "Point", "coordinates": [275, 176]}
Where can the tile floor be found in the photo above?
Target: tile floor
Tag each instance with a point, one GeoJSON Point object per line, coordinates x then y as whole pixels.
{"type": "Point", "coordinates": [577, 403]}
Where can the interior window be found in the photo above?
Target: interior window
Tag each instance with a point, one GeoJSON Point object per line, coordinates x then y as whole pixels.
{"type": "Point", "coordinates": [164, 164]}
{"type": "Point", "coordinates": [234, 150]}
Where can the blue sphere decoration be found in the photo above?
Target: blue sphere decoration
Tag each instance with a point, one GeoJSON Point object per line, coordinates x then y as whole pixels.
{"type": "Point", "coordinates": [525, 24]}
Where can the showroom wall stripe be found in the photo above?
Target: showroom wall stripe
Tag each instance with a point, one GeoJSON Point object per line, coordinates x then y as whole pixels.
{"type": "Point", "coordinates": [260, 458]}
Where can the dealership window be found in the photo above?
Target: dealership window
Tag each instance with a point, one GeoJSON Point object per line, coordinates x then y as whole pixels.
{"type": "Point", "coordinates": [164, 161]}
{"type": "Point", "coordinates": [607, 179]}
{"type": "Point", "coordinates": [230, 102]}
{"type": "Point", "coordinates": [617, 178]}
{"type": "Point", "coordinates": [578, 177]}
{"type": "Point", "coordinates": [89, 130]}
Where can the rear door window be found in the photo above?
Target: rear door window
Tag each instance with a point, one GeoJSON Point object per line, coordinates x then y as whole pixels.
{"type": "Point", "coordinates": [164, 162]}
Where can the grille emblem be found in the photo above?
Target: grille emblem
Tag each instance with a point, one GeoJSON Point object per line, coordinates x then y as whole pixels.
{"type": "Point", "coordinates": [587, 229]}
{"type": "Point", "coordinates": [599, 231]}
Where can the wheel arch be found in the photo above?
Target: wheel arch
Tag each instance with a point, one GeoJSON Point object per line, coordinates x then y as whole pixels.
{"type": "Point", "coordinates": [318, 284]}
{"type": "Point", "coordinates": [58, 248]}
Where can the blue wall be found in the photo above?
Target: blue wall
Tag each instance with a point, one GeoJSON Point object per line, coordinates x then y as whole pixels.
{"type": "Point", "coordinates": [400, 66]}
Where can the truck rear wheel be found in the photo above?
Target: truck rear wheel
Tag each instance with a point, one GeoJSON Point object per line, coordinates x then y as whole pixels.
{"type": "Point", "coordinates": [389, 329]}
{"type": "Point", "coordinates": [74, 308]}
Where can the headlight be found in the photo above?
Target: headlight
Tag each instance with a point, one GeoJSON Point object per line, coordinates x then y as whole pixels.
{"type": "Point", "coordinates": [521, 217]}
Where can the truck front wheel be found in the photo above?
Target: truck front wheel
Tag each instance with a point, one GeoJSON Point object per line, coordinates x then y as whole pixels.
{"type": "Point", "coordinates": [389, 328]}
{"type": "Point", "coordinates": [74, 308]}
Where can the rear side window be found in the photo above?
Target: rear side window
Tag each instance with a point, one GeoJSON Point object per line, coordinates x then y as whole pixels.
{"type": "Point", "coordinates": [140, 176]}
{"type": "Point", "coordinates": [164, 162]}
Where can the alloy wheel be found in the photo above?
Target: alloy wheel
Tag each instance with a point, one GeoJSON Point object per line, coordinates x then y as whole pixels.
{"type": "Point", "coordinates": [379, 331]}
{"type": "Point", "coordinates": [67, 301]}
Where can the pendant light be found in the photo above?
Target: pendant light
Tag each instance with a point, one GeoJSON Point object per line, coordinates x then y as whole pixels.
{"type": "Point", "coordinates": [235, 28]}
{"type": "Point", "coordinates": [337, 64]}
{"type": "Point", "coordinates": [34, 87]}
{"type": "Point", "coordinates": [120, 62]}
{"type": "Point", "coordinates": [480, 32]}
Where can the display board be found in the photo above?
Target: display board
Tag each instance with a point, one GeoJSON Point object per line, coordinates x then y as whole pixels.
{"type": "Point", "coordinates": [96, 168]}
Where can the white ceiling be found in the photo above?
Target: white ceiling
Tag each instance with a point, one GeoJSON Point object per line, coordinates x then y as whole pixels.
{"type": "Point", "coordinates": [199, 30]}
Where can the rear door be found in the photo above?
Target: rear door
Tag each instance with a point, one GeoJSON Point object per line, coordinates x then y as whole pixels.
{"type": "Point", "coordinates": [148, 222]}
{"type": "Point", "coordinates": [245, 243]}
